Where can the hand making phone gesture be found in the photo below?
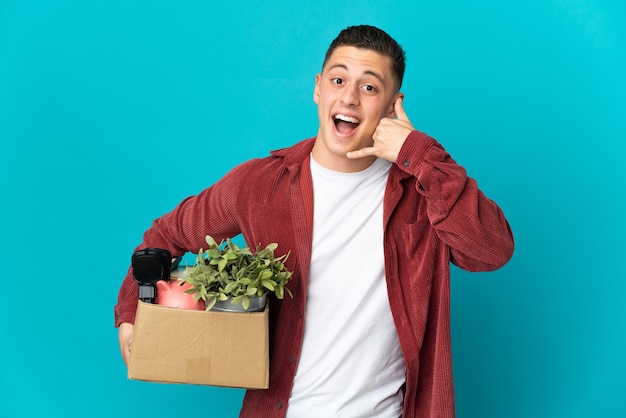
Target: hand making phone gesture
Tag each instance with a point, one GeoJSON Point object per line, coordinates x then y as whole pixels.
{"type": "Point", "coordinates": [389, 136]}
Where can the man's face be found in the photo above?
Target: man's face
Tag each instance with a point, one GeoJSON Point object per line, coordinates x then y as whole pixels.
{"type": "Point", "coordinates": [355, 90]}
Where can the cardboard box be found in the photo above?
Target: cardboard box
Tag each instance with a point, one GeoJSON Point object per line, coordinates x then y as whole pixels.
{"type": "Point", "coordinates": [174, 345]}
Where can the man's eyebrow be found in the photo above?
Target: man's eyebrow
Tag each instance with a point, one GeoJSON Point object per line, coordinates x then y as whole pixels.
{"type": "Point", "coordinates": [376, 75]}
{"type": "Point", "coordinates": [367, 72]}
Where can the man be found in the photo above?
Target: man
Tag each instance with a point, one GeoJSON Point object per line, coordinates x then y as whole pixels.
{"type": "Point", "coordinates": [373, 211]}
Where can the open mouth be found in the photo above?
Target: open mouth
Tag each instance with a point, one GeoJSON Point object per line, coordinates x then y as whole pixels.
{"type": "Point", "coordinates": [345, 124]}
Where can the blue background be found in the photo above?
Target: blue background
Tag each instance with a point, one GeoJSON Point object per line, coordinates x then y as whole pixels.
{"type": "Point", "coordinates": [111, 112]}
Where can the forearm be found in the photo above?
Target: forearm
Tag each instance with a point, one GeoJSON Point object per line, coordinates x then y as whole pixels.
{"type": "Point", "coordinates": [166, 232]}
{"type": "Point", "coordinates": [184, 229]}
{"type": "Point", "coordinates": [472, 225]}
{"type": "Point", "coordinates": [127, 297]}
{"type": "Point", "coordinates": [477, 231]}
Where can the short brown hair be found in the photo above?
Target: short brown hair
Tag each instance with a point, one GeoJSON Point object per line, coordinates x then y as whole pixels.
{"type": "Point", "coordinates": [370, 37]}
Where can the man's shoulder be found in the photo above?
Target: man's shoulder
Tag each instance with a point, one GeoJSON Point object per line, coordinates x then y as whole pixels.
{"type": "Point", "coordinates": [294, 153]}
{"type": "Point", "coordinates": [278, 161]}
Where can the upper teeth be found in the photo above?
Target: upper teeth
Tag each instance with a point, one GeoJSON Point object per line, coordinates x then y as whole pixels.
{"type": "Point", "coordinates": [347, 118]}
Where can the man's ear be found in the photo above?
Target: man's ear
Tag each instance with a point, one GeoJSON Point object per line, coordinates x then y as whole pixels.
{"type": "Point", "coordinates": [392, 111]}
{"type": "Point", "coordinates": [316, 90]}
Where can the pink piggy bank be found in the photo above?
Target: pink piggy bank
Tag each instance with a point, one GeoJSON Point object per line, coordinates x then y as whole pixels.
{"type": "Point", "coordinates": [173, 294]}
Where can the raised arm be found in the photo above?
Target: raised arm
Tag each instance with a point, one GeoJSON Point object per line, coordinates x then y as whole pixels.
{"type": "Point", "coordinates": [472, 225]}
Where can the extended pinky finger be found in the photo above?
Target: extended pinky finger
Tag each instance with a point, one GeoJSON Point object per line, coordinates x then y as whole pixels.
{"type": "Point", "coordinates": [363, 152]}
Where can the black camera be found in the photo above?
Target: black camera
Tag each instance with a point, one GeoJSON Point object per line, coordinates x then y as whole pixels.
{"type": "Point", "coordinates": [149, 266]}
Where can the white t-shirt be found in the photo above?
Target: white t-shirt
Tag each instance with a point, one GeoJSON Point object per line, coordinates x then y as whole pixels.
{"type": "Point", "coordinates": [351, 363]}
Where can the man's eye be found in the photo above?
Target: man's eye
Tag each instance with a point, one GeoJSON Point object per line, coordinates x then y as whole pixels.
{"type": "Point", "coordinates": [369, 88]}
{"type": "Point", "coordinates": [337, 81]}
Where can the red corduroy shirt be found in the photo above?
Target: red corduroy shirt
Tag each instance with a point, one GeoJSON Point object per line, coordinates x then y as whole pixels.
{"type": "Point", "coordinates": [434, 214]}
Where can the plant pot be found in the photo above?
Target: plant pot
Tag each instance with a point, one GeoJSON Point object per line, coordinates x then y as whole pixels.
{"type": "Point", "coordinates": [256, 305]}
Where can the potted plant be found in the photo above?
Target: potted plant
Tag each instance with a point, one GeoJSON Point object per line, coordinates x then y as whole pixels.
{"type": "Point", "coordinates": [231, 278]}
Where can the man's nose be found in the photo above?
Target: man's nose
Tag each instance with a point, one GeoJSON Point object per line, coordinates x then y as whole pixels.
{"type": "Point", "coordinates": [350, 95]}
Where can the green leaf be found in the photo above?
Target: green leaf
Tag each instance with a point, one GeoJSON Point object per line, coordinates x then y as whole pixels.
{"type": "Point", "coordinates": [268, 284]}
{"type": "Point", "coordinates": [221, 264]}
{"type": "Point", "coordinates": [230, 287]}
{"type": "Point", "coordinates": [210, 303]}
{"type": "Point", "coordinates": [209, 240]}
{"type": "Point", "coordinates": [245, 303]}
{"type": "Point", "coordinates": [213, 252]}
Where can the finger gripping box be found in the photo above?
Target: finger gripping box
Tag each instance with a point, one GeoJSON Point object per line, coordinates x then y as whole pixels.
{"type": "Point", "coordinates": [173, 345]}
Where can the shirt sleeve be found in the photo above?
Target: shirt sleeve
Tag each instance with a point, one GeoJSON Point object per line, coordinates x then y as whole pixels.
{"type": "Point", "coordinates": [184, 229]}
{"type": "Point", "coordinates": [474, 226]}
